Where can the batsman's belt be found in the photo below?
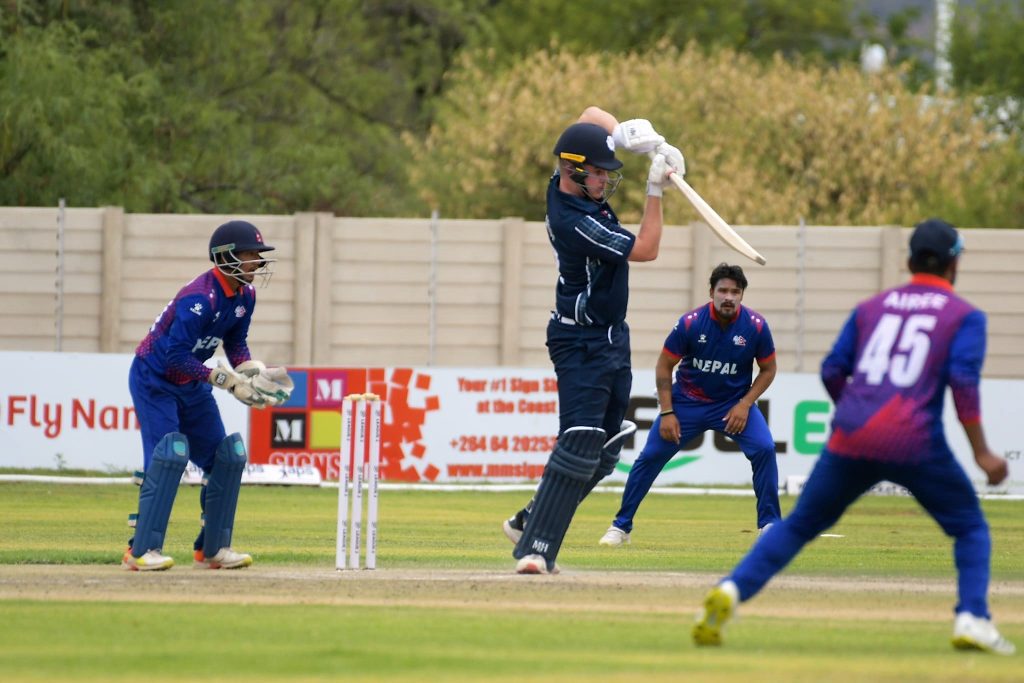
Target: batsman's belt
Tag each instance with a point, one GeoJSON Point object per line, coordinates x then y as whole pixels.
{"type": "Point", "coordinates": [564, 319]}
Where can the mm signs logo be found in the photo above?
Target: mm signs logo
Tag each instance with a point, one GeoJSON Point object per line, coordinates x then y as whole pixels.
{"type": "Point", "coordinates": [328, 390]}
{"type": "Point", "coordinates": [288, 430]}
{"type": "Point", "coordinates": [306, 431]}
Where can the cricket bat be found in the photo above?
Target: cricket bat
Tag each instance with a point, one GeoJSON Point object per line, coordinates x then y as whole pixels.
{"type": "Point", "coordinates": [724, 231]}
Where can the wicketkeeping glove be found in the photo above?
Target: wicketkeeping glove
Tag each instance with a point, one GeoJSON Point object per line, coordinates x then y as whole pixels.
{"type": "Point", "coordinates": [657, 176]}
{"type": "Point", "coordinates": [637, 136]}
{"type": "Point", "coordinates": [274, 385]}
{"type": "Point", "coordinates": [250, 368]}
{"type": "Point", "coordinates": [237, 385]}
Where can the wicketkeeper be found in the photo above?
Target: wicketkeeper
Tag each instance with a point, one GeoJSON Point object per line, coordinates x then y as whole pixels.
{"type": "Point", "coordinates": [172, 392]}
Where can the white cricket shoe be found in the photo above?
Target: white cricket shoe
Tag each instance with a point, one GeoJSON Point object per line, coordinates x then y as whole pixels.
{"type": "Point", "coordinates": [763, 530]}
{"type": "Point", "coordinates": [534, 564]}
{"type": "Point", "coordinates": [977, 633]}
{"type": "Point", "coordinates": [719, 606]}
{"type": "Point", "coordinates": [226, 558]}
{"type": "Point", "coordinates": [152, 561]}
{"type": "Point", "coordinates": [614, 537]}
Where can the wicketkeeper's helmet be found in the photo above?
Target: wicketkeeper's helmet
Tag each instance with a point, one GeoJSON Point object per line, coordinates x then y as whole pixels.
{"type": "Point", "coordinates": [233, 238]}
{"type": "Point", "coordinates": [237, 236]}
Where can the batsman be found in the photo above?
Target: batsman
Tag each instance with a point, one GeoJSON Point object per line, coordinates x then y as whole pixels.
{"type": "Point", "coordinates": [171, 390]}
{"type": "Point", "coordinates": [587, 335]}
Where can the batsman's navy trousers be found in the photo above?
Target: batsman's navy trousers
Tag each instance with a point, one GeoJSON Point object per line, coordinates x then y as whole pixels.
{"type": "Point", "coordinates": [594, 374]}
{"type": "Point", "coordinates": [163, 407]}
{"type": "Point", "coordinates": [940, 487]}
{"type": "Point", "coordinates": [755, 441]}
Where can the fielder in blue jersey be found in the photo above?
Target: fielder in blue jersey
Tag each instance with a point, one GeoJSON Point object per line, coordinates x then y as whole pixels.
{"type": "Point", "coordinates": [887, 374]}
{"type": "Point", "coordinates": [587, 335]}
{"type": "Point", "coordinates": [171, 390]}
{"type": "Point", "coordinates": [715, 348]}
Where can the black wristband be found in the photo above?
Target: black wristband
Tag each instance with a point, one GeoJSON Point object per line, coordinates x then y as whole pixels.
{"type": "Point", "coordinates": [667, 412]}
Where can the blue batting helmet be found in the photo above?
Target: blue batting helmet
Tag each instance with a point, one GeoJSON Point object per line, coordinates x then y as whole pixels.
{"type": "Point", "coordinates": [588, 143]}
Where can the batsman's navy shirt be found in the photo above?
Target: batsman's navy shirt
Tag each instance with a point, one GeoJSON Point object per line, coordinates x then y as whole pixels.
{"type": "Point", "coordinates": [591, 249]}
{"type": "Point", "coordinates": [716, 364]}
{"type": "Point", "coordinates": [204, 314]}
{"type": "Point", "coordinates": [889, 368]}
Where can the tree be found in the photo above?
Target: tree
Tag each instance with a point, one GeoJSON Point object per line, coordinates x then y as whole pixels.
{"type": "Point", "coordinates": [987, 51]}
{"type": "Point", "coordinates": [64, 111]}
{"type": "Point", "coordinates": [766, 143]}
{"type": "Point", "coordinates": [987, 54]}
{"type": "Point", "coordinates": [514, 29]}
{"type": "Point", "coordinates": [221, 107]}
{"type": "Point", "coordinates": [279, 106]}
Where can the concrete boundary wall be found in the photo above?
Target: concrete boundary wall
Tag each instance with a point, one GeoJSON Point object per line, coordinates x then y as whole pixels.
{"type": "Point", "coordinates": [388, 291]}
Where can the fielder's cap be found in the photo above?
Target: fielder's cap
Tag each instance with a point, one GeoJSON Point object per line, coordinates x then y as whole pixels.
{"type": "Point", "coordinates": [237, 236]}
{"type": "Point", "coordinates": [588, 143]}
{"type": "Point", "coordinates": [937, 237]}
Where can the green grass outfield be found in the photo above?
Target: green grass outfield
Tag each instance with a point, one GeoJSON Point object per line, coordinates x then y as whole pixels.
{"type": "Point", "coordinates": [872, 605]}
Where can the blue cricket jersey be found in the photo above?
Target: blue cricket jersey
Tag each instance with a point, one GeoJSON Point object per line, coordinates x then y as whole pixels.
{"type": "Point", "coordinates": [890, 366]}
{"type": "Point", "coordinates": [204, 314]}
{"type": "Point", "coordinates": [592, 249]}
{"type": "Point", "coordinates": [717, 364]}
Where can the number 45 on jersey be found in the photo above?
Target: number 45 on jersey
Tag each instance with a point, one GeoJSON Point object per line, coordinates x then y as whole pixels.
{"type": "Point", "coordinates": [897, 349]}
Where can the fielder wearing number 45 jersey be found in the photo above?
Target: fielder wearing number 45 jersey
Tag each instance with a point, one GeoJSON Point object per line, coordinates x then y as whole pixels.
{"type": "Point", "coordinates": [900, 349]}
{"type": "Point", "coordinates": [887, 374]}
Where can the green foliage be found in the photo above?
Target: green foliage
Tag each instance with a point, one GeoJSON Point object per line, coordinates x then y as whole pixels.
{"type": "Point", "coordinates": [987, 54]}
{"type": "Point", "coordinates": [765, 143]}
{"type": "Point", "coordinates": [903, 49]}
{"type": "Point", "coordinates": [273, 106]}
{"type": "Point", "coordinates": [760, 27]}
{"type": "Point", "coordinates": [63, 109]}
{"type": "Point", "coordinates": [219, 107]}
{"type": "Point", "coordinates": [987, 49]}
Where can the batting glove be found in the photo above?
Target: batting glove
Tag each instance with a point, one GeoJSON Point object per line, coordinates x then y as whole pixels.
{"type": "Point", "coordinates": [657, 175]}
{"type": "Point", "coordinates": [674, 157]}
{"type": "Point", "coordinates": [637, 136]}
